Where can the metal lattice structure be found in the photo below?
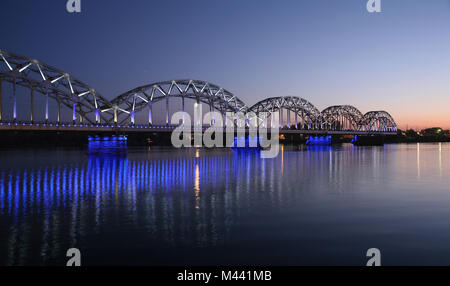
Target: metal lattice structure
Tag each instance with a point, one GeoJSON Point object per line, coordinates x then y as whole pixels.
{"type": "Point", "coordinates": [341, 117]}
{"type": "Point", "coordinates": [217, 98]}
{"type": "Point", "coordinates": [306, 115]}
{"type": "Point", "coordinates": [380, 121]}
{"type": "Point", "coordinates": [87, 104]}
{"type": "Point", "coordinates": [52, 83]}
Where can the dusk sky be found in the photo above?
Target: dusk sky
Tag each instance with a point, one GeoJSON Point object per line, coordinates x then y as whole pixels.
{"type": "Point", "coordinates": [330, 52]}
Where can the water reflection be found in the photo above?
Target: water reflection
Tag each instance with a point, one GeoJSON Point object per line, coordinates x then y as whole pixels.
{"type": "Point", "coordinates": [175, 198]}
{"type": "Point", "coordinates": [440, 160]}
{"type": "Point", "coordinates": [418, 160]}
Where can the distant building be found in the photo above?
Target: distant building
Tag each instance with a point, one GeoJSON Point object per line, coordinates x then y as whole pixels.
{"type": "Point", "coordinates": [432, 131]}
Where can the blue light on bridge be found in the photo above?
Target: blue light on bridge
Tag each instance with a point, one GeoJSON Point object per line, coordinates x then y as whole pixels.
{"type": "Point", "coordinates": [99, 145]}
{"type": "Point", "coordinates": [319, 140]}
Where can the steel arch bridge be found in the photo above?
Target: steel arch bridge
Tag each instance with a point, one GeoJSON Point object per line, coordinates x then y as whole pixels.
{"type": "Point", "coordinates": [52, 83]}
{"type": "Point", "coordinates": [88, 108]}
{"type": "Point", "coordinates": [380, 121]}
{"type": "Point", "coordinates": [341, 117]}
{"type": "Point", "coordinates": [305, 114]}
{"type": "Point", "coordinates": [217, 98]}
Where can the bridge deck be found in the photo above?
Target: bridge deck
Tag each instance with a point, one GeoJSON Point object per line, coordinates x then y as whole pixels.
{"type": "Point", "coordinates": [159, 128]}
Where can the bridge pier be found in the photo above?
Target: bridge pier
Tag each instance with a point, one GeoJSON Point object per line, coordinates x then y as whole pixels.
{"type": "Point", "coordinates": [368, 140]}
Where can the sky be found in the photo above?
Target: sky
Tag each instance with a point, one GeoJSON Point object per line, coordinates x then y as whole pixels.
{"type": "Point", "coordinates": [330, 52]}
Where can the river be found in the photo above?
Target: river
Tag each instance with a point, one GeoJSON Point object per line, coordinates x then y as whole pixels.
{"type": "Point", "coordinates": [164, 206]}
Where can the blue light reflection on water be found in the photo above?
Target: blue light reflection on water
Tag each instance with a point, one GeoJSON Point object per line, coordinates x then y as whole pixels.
{"type": "Point", "coordinates": [107, 145]}
{"type": "Point", "coordinates": [319, 140]}
{"type": "Point", "coordinates": [206, 200]}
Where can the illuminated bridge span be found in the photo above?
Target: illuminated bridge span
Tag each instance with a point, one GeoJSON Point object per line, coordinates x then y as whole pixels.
{"type": "Point", "coordinates": [36, 96]}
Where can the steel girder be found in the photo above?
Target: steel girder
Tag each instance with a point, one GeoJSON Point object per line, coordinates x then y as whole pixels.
{"type": "Point", "coordinates": [333, 117]}
{"type": "Point", "coordinates": [308, 113]}
{"type": "Point", "coordinates": [54, 83]}
{"type": "Point", "coordinates": [201, 91]}
{"type": "Point", "coordinates": [378, 121]}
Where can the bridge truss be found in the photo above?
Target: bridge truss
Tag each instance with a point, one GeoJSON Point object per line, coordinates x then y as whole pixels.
{"type": "Point", "coordinates": [341, 117]}
{"type": "Point", "coordinates": [53, 84]}
{"type": "Point", "coordinates": [305, 114]}
{"type": "Point", "coordinates": [89, 106]}
{"type": "Point", "coordinates": [218, 99]}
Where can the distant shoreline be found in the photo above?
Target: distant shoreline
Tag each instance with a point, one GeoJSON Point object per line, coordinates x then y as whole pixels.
{"type": "Point", "coordinates": [400, 140]}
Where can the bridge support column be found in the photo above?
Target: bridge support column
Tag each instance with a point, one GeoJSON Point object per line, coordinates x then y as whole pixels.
{"type": "Point", "coordinates": [132, 113]}
{"type": "Point", "coordinates": [15, 101]}
{"type": "Point", "coordinates": [289, 119]}
{"type": "Point", "coordinates": [1, 104]}
{"type": "Point", "coordinates": [211, 123]}
{"type": "Point", "coordinates": [271, 119]}
{"type": "Point", "coordinates": [150, 120]}
{"type": "Point", "coordinates": [32, 105]}
{"type": "Point", "coordinates": [281, 118]}
{"type": "Point", "coordinates": [167, 110]}
{"type": "Point", "coordinates": [303, 120]}
{"type": "Point", "coordinates": [197, 111]}
{"type": "Point", "coordinates": [97, 116]}
{"type": "Point", "coordinates": [46, 107]}
{"type": "Point", "coordinates": [74, 115]}
{"type": "Point", "coordinates": [132, 117]}
{"type": "Point", "coordinates": [115, 116]}
{"type": "Point", "coordinates": [296, 120]}
{"type": "Point", "coordinates": [59, 112]}
{"type": "Point", "coordinates": [184, 109]}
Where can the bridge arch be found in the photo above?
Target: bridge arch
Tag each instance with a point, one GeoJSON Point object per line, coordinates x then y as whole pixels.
{"type": "Point", "coordinates": [217, 98]}
{"type": "Point", "coordinates": [341, 117]}
{"type": "Point", "coordinates": [378, 121]}
{"type": "Point", "coordinates": [84, 102]}
{"type": "Point", "coordinates": [306, 115]}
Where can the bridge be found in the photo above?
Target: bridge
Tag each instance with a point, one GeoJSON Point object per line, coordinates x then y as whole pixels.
{"type": "Point", "coordinates": [53, 100]}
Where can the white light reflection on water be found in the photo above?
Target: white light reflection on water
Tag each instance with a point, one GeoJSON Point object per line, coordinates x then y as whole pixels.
{"type": "Point", "coordinates": [275, 211]}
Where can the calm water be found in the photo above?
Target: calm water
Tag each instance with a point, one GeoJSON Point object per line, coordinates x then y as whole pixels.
{"type": "Point", "coordinates": [322, 206]}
